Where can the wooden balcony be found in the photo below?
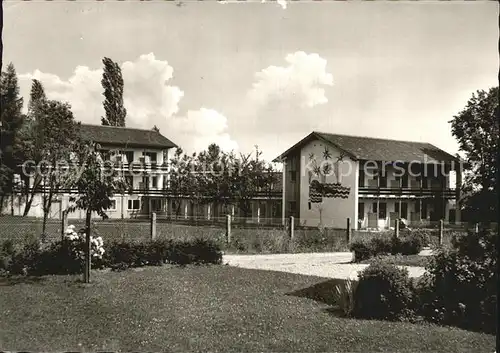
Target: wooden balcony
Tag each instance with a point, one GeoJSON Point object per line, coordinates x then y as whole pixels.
{"type": "Point", "coordinates": [446, 193]}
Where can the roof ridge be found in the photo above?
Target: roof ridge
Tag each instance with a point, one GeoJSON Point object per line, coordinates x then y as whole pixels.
{"type": "Point", "coordinates": [371, 138]}
{"type": "Point", "coordinates": [119, 127]}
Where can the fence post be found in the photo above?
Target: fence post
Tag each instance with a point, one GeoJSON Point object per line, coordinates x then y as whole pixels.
{"type": "Point", "coordinates": [291, 227]}
{"type": "Point", "coordinates": [441, 231]}
{"type": "Point", "coordinates": [64, 223]}
{"type": "Point", "coordinates": [153, 226]}
{"type": "Point", "coordinates": [348, 231]}
{"type": "Point", "coordinates": [228, 228]}
{"type": "Point", "coordinates": [396, 228]}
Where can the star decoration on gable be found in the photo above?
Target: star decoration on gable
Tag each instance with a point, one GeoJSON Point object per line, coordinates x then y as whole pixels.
{"type": "Point", "coordinates": [311, 156]}
{"type": "Point", "coordinates": [326, 154]}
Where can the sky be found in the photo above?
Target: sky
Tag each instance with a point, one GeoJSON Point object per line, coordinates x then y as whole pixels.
{"type": "Point", "coordinates": [262, 74]}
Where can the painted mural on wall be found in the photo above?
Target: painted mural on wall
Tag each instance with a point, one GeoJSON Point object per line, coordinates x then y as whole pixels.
{"type": "Point", "coordinates": [325, 180]}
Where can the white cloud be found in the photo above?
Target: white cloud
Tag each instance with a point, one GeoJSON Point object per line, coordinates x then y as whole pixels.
{"type": "Point", "coordinates": [282, 3]}
{"type": "Point", "coordinates": [148, 97]}
{"type": "Point", "coordinates": [301, 83]}
{"type": "Point", "coordinates": [203, 127]}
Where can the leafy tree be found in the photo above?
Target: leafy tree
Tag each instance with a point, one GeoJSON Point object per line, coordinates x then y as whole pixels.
{"type": "Point", "coordinates": [37, 96]}
{"type": "Point", "coordinates": [12, 120]}
{"type": "Point", "coordinates": [31, 143]}
{"type": "Point", "coordinates": [50, 139]}
{"type": "Point", "coordinates": [112, 82]}
{"type": "Point", "coordinates": [476, 129]}
{"type": "Point", "coordinates": [182, 183]}
{"type": "Point", "coordinates": [95, 187]}
{"type": "Point", "coordinates": [58, 143]}
{"type": "Point", "coordinates": [250, 177]}
{"type": "Point", "coordinates": [219, 178]}
{"type": "Point", "coordinates": [226, 178]}
{"type": "Point", "coordinates": [213, 169]}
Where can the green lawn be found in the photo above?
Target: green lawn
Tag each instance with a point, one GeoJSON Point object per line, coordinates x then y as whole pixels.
{"type": "Point", "coordinates": [215, 308]}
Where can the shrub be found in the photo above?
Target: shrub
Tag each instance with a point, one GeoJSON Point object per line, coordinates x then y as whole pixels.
{"type": "Point", "coordinates": [362, 250]}
{"type": "Point", "coordinates": [460, 284]}
{"type": "Point", "coordinates": [383, 292]}
{"type": "Point", "coordinates": [131, 254]}
{"type": "Point", "coordinates": [7, 251]}
{"type": "Point", "coordinates": [381, 245]}
{"type": "Point", "coordinates": [199, 251]}
{"type": "Point", "coordinates": [27, 259]}
{"type": "Point", "coordinates": [409, 245]}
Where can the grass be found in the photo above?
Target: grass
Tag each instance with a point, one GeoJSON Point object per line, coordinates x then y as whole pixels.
{"type": "Point", "coordinates": [212, 308]}
{"type": "Point", "coordinates": [400, 260]}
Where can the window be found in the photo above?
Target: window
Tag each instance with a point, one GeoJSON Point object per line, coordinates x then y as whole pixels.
{"type": "Point", "coordinates": [382, 212]}
{"type": "Point", "coordinates": [417, 207]}
{"type": "Point", "coordinates": [154, 181]}
{"type": "Point", "coordinates": [404, 210]}
{"type": "Point", "coordinates": [424, 182]}
{"type": "Point", "coordinates": [404, 181]}
{"type": "Point", "coordinates": [396, 207]}
{"type": "Point", "coordinates": [129, 155]}
{"type": "Point", "coordinates": [424, 210]}
{"type": "Point", "coordinates": [383, 181]}
{"type": "Point", "coordinates": [374, 207]}
{"type": "Point", "coordinates": [361, 180]}
{"type": "Point", "coordinates": [145, 183]}
{"type": "Point", "coordinates": [361, 210]}
{"type": "Point", "coordinates": [151, 155]}
{"type": "Point", "coordinates": [309, 205]}
{"type": "Point", "coordinates": [112, 206]}
{"type": "Point", "coordinates": [293, 206]}
{"type": "Point", "coordinates": [293, 176]}
{"type": "Point", "coordinates": [134, 204]}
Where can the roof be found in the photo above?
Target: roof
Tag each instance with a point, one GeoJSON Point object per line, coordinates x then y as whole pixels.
{"type": "Point", "coordinates": [114, 135]}
{"type": "Point", "coordinates": [377, 149]}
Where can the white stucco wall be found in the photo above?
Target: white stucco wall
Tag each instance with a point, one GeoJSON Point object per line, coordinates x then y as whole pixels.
{"type": "Point", "coordinates": [335, 211]}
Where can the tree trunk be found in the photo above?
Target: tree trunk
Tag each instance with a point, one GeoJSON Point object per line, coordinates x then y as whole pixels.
{"type": "Point", "coordinates": [86, 273]}
{"type": "Point", "coordinates": [45, 216]}
{"type": "Point", "coordinates": [2, 200]}
{"type": "Point", "coordinates": [47, 204]}
{"type": "Point", "coordinates": [30, 196]}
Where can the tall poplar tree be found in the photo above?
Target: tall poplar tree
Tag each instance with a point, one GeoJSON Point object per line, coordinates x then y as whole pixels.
{"type": "Point", "coordinates": [112, 82]}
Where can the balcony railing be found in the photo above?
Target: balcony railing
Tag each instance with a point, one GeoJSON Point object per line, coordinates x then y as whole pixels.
{"type": "Point", "coordinates": [448, 193]}
{"type": "Point", "coordinates": [137, 166]}
{"type": "Point", "coordinates": [143, 189]}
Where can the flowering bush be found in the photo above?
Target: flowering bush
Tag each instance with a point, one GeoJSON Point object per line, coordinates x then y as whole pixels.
{"type": "Point", "coordinates": [77, 241]}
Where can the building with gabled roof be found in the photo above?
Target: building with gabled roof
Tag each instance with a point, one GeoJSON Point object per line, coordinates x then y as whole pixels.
{"type": "Point", "coordinates": [328, 178]}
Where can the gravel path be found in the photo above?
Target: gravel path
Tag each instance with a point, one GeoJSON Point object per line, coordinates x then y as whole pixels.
{"type": "Point", "coordinates": [329, 265]}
